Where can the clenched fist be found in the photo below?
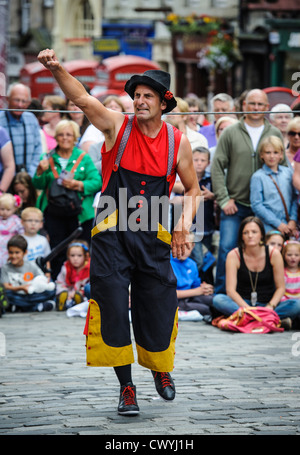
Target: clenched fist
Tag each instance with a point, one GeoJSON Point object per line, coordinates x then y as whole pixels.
{"type": "Point", "coordinates": [48, 58]}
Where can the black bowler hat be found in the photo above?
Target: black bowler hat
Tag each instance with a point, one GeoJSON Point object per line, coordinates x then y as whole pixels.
{"type": "Point", "coordinates": [156, 79]}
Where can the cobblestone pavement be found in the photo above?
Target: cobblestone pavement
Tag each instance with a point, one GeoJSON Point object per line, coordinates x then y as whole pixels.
{"type": "Point", "coordinates": [227, 383]}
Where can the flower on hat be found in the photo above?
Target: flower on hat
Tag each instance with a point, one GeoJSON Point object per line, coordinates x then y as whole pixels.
{"type": "Point", "coordinates": [168, 95]}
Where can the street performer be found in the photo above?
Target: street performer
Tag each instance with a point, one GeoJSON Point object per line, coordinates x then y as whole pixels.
{"type": "Point", "coordinates": [131, 242]}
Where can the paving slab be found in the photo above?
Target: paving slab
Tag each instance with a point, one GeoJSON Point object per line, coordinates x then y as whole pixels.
{"type": "Point", "coordinates": [227, 384]}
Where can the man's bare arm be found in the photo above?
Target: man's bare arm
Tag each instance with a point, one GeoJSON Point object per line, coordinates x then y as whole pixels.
{"type": "Point", "coordinates": [107, 121]}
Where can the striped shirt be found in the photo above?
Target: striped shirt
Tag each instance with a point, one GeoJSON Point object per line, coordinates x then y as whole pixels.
{"type": "Point", "coordinates": [292, 285]}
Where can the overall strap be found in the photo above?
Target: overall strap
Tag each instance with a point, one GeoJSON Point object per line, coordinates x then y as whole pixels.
{"type": "Point", "coordinates": [171, 140]}
{"type": "Point", "coordinates": [127, 131]}
{"type": "Point", "coordinates": [124, 140]}
{"type": "Point", "coordinates": [76, 164]}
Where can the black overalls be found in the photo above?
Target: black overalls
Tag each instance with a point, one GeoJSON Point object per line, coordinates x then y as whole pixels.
{"type": "Point", "coordinates": [137, 258]}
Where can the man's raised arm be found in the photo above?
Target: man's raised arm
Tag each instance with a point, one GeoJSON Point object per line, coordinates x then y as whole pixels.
{"type": "Point", "coordinates": [105, 120]}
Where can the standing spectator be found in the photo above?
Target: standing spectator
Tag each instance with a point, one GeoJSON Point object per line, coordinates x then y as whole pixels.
{"type": "Point", "coordinates": [180, 121]}
{"type": "Point", "coordinates": [201, 159]}
{"type": "Point", "coordinates": [23, 129]}
{"type": "Point", "coordinates": [220, 103]}
{"type": "Point", "coordinates": [7, 162]}
{"type": "Point", "coordinates": [220, 126]}
{"type": "Point", "coordinates": [293, 132]}
{"type": "Point", "coordinates": [51, 119]}
{"type": "Point", "coordinates": [195, 122]}
{"type": "Point", "coordinates": [280, 116]}
{"type": "Point", "coordinates": [272, 195]}
{"type": "Point", "coordinates": [235, 160]}
{"type": "Point", "coordinates": [85, 180]}
{"type": "Point", "coordinates": [89, 134]}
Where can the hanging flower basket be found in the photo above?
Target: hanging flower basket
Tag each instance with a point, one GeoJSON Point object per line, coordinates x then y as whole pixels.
{"type": "Point", "coordinates": [220, 51]}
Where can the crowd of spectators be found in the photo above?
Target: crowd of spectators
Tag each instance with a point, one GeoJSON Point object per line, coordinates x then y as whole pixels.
{"type": "Point", "coordinates": [248, 165]}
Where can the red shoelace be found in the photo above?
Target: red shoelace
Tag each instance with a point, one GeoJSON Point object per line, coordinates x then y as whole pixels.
{"type": "Point", "coordinates": [165, 379]}
{"type": "Point", "coordinates": [128, 394]}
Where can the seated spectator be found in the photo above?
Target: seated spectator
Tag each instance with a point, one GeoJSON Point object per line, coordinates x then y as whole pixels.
{"type": "Point", "coordinates": [191, 293]}
{"type": "Point", "coordinates": [272, 195]}
{"type": "Point", "coordinates": [37, 244]}
{"type": "Point", "coordinates": [10, 223]}
{"type": "Point", "coordinates": [255, 275]}
{"type": "Point", "coordinates": [83, 180]}
{"type": "Point", "coordinates": [16, 277]}
{"type": "Point", "coordinates": [280, 116]}
{"type": "Point", "coordinates": [291, 258]}
{"type": "Point", "coordinates": [72, 283]}
{"type": "Point", "coordinates": [22, 186]}
{"type": "Point", "coordinates": [7, 161]}
{"type": "Point", "coordinates": [275, 239]}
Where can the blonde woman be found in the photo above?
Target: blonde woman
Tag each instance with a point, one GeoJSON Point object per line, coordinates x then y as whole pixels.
{"type": "Point", "coordinates": [84, 180]}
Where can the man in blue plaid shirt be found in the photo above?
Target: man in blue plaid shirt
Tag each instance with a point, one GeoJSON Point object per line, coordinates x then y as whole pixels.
{"type": "Point", "coordinates": [23, 129]}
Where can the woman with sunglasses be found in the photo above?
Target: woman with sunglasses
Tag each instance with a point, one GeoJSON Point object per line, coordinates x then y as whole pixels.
{"type": "Point", "coordinates": [293, 132]}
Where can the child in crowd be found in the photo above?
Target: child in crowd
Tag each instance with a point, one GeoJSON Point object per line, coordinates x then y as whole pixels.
{"type": "Point", "coordinates": [272, 195]}
{"type": "Point", "coordinates": [191, 293]}
{"type": "Point", "coordinates": [72, 283]}
{"type": "Point", "coordinates": [10, 223]}
{"type": "Point", "coordinates": [16, 277]}
{"type": "Point", "coordinates": [275, 239]}
{"type": "Point", "coordinates": [203, 233]}
{"type": "Point", "coordinates": [291, 257]}
{"type": "Point", "coordinates": [38, 245]}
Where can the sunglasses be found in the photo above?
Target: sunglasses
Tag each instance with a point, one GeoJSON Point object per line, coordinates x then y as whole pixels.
{"type": "Point", "coordinates": [293, 133]}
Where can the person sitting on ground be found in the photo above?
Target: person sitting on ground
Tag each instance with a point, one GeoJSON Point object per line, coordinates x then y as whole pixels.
{"type": "Point", "coordinates": [10, 223]}
{"type": "Point", "coordinates": [275, 239]}
{"type": "Point", "coordinates": [22, 186]}
{"type": "Point", "coordinates": [255, 276]}
{"type": "Point", "coordinates": [192, 294]}
{"type": "Point", "coordinates": [16, 277]}
{"type": "Point", "coordinates": [37, 244]}
{"type": "Point", "coordinates": [72, 283]}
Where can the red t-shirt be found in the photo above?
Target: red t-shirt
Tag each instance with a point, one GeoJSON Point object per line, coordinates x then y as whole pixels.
{"type": "Point", "coordinates": [142, 154]}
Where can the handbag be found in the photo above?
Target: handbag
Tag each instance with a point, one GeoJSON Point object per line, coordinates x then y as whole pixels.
{"type": "Point", "coordinates": [61, 200]}
{"type": "Point", "coordinates": [254, 320]}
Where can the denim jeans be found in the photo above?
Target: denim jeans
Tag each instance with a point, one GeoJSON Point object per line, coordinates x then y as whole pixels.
{"type": "Point", "coordinates": [286, 309]}
{"type": "Point", "coordinates": [229, 229]}
{"type": "Point", "coordinates": [29, 302]}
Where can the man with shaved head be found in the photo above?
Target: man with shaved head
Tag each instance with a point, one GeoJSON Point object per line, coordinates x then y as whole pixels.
{"type": "Point", "coordinates": [23, 128]}
{"type": "Point", "coordinates": [235, 160]}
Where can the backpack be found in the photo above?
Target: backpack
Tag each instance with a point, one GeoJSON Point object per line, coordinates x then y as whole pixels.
{"type": "Point", "coordinates": [61, 200]}
{"type": "Point", "coordinates": [254, 320]}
